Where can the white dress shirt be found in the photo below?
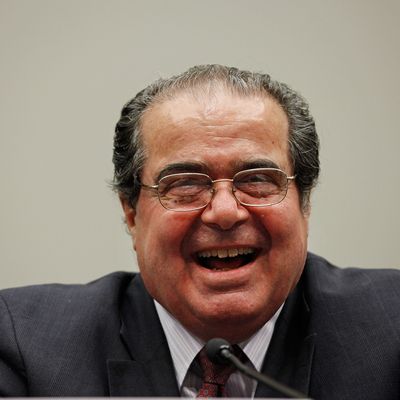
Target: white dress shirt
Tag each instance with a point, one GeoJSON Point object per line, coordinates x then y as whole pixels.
{"type": "Point", "coordinates": [184, 347]}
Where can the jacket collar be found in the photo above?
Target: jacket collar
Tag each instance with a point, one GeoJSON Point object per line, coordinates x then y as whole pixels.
{"type": "Point", "coordinates": [290, 353]}
{"type": "Point", "coordinates": [150, 371]}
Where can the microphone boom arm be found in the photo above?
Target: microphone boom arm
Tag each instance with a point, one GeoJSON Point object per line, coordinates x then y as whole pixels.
{"type": "Point", "coordinates": [252, 373]}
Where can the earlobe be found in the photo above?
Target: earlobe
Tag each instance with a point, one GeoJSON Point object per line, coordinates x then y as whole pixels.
{"type": "Point", "coordinates": [130, 214]}
{"type": "Point", "coordinates": [306, 214]}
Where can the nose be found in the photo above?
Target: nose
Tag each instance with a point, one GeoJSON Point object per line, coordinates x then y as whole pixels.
{"type": "Point", "coordinates": [224, 211]}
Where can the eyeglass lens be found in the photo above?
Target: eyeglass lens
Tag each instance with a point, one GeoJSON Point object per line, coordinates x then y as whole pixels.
{"type": "Point", "coordinates": [190, 191]}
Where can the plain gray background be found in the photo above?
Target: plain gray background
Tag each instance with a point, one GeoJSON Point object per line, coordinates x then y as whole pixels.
{"type": "Point", "coordinates": [68, 66]}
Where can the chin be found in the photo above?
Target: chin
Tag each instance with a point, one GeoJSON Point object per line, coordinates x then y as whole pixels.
{"type": "Point", "coordinates": [234, 312]}
{"type": "Point", "coordinates": [234, 328]}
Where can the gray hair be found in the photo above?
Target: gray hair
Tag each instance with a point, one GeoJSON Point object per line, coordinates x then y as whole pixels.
{"type": "Point", "coordinates": [129, 152]}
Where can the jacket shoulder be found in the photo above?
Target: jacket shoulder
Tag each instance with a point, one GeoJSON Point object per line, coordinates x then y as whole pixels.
{"type": "Point", "coordinates": [354, 317]}
{"type": "Point", "coordinates": [48, 299]}
{"type": "Point", "coordinates": [327, 279]}
{"type": "Point", "coordinates": [44, 327]}
{"type": "Point", "coordinates": [355, 302]}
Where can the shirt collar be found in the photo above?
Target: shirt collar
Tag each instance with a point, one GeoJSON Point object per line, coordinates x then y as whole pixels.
{"type": "Point", "coordinates": [184, 346]}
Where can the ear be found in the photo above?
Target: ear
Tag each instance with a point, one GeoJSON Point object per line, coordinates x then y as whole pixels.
{"type": "Point", "coordinates": [306, 213]}
{"type": "Point", "coordinates": [130, 214]}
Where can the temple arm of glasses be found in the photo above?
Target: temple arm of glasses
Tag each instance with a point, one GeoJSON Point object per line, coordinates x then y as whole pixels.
{"type": "Point", "coordinates": [149, 187]}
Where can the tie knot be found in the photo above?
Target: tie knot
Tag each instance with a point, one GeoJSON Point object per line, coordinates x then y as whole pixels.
{"type": "Point", "coordinates": [215, 375]}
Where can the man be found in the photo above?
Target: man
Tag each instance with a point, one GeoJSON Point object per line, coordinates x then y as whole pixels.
{"type": "Point", "coordinates": [214, 169]}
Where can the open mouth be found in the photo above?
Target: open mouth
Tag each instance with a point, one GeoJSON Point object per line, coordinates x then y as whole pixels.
{"type": "Point", "coordinates": [226, 259]}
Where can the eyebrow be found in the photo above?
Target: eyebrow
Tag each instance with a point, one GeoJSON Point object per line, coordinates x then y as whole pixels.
{"type": "Point", "coordinates": [257, 163]}
{"type": "Point", "coordinates": [177, 168]}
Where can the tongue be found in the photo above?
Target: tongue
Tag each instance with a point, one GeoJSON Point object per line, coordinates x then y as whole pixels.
{"type": "Point", "coordinates": [225, 263]}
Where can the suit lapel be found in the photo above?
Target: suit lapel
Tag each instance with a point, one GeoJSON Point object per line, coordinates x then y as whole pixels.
{"type": "Point", "coordinates": [289, 356]}
{"type": "Point", "coordinates": [150, 371]}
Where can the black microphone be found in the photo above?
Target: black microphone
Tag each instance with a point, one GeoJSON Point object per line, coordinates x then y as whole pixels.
{"type": "Point", "coordinates": [220, 351]}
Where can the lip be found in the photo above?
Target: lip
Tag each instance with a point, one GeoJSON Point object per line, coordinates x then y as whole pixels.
{"type": "Point", "coordinates": [230, 276]}
{"type": "Point", "coordinates": [224, 281]}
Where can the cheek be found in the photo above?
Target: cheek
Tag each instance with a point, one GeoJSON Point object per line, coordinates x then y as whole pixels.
{"type": "Point", "coordinates": [158, 240]}
{"type": "Point", "coordinates": [159, 253]}
{"type": "Point", "coordinates": [287, 252]}
{"type": "Point", "coordinates": [287, 228]}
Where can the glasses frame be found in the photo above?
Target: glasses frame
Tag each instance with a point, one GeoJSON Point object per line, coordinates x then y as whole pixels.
{"type": "Point", "coordinates": [213, 190]}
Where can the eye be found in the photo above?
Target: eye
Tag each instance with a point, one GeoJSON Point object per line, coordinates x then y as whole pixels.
{"type": "Point", "coordinates": [260, 183]}
{"type": "Point", "coordinates": [183, 185]}
{"type": "Point", "coordinates": [257, 178]}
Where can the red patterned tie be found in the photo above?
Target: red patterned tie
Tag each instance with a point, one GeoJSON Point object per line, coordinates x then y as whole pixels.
{"type": "Point", "coordinates": [215, 376]}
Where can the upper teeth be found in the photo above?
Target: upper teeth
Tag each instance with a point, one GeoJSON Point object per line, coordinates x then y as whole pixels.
{"type": "Point", "coordinates": [223, 253]}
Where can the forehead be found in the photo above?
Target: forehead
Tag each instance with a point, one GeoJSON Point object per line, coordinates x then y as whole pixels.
{"type": "Point", "coordinates": [215, 127]}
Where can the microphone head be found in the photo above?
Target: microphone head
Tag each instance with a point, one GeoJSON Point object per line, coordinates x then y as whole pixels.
{"type": "Point", "coordinates": [214, 350]}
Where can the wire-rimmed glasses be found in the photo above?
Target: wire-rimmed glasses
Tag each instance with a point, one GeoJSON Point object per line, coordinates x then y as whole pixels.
{"type": "Point", "coordinates": [189, 191]}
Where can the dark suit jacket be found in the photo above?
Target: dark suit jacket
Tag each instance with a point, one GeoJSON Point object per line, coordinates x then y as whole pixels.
{"type": "Point", "coordinates": [338, 337]}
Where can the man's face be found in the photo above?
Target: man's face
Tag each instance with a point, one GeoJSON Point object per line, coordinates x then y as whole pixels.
{"type": "Point", "coordinates": [220, 135]}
